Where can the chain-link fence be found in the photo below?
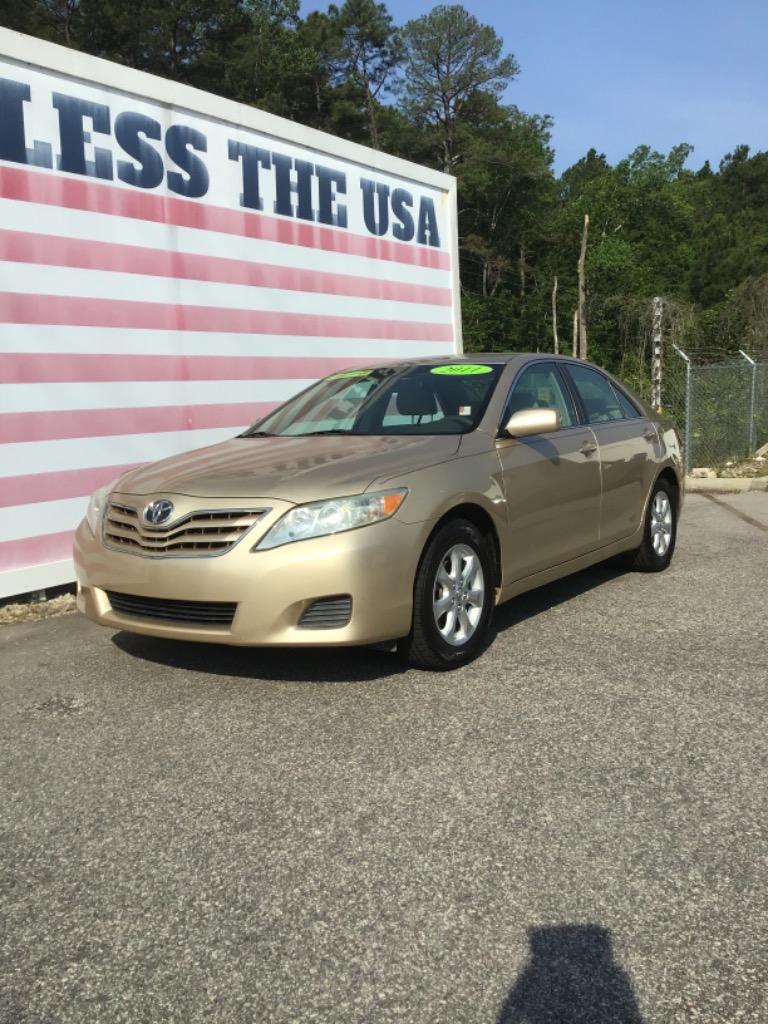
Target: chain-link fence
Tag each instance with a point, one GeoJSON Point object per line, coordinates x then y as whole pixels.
{"type": "Point", "coordinates": [720, 408]}
{"type": "Point", "coordinates": [761, 404]}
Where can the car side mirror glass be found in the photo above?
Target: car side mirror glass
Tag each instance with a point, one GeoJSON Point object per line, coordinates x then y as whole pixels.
{"type": "Point", "coordinates": [527, 422]}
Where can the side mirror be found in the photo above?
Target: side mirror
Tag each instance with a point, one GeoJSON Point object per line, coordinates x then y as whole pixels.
{"type": "Point", "coordinates": [527, 422]}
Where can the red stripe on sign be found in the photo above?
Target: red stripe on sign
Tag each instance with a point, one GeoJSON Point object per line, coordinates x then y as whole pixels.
{"type": "Point", "coordinates": [52, 250]}
{"type": "Point", "coordinates": [50, 547]}
{"type": "Point", "coordinates": [74, 311]}
{"type": "Point", "coordinates": [69, 368]}
{"type": "Point", "coordinates": [55, 426]}
{"type": "Point", "coordinates": [56, 190]}
{"type": "Point", "coordinates": [69, 483]}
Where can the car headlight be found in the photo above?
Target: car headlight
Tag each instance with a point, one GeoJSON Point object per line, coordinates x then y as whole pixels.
{"type": "Point", "coordinates": [320, 518]}
{"type": "Point", "coordinates": [96, 505]}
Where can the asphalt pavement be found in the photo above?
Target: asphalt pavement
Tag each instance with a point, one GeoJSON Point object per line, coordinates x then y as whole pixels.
{"type": "Point", "coordinates": [572, 830]}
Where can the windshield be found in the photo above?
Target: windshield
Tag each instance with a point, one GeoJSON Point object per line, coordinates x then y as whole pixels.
{"type": "Point", "coordinates": [448, 399]}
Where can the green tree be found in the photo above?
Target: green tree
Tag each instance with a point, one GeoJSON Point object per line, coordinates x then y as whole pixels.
{"type": "Point", "coordinates": [54, 20]}
{"type": "Point", "coordinates": [449, 58]}
{"type": "Point", "coordinates": [258, 57]}
{"type": "Point", "coordinates": [368, 54]}
{"type": "Point", "coordinates": [731, 239]}
{"type": "Point", "coordinates": [318, 36]}
{"type": "Point", "coordinates": [641, 225]}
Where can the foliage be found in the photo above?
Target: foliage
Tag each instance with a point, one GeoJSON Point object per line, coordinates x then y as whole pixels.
{"type": "Point", "coordinates": [451, 59]}
{"type": "Point", "coordinates": [368, 54]}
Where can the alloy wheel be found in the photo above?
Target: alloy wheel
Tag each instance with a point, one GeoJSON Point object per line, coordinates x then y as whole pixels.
{"type": "Point", "coordinates": [458, 594]}
{"type": "Point", "coordinates": [661, 523]}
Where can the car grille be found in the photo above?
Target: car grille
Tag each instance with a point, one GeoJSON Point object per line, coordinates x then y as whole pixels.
{"type": "Point", "coordinates": [327, 613]}
{"type": "Point", "coordinates": [209, 532]}
{"type": "Point", "coordinates": [210, 613]}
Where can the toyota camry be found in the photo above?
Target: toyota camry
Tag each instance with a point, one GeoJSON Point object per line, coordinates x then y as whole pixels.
{"type": "Point", "coordinates": [399, 502]}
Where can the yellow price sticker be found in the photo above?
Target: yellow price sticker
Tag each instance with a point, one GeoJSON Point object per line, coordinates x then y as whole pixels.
{"type": "Point", "coordinates": [461, 370]}
{"type": "Point", "coordinates": [348, 373]}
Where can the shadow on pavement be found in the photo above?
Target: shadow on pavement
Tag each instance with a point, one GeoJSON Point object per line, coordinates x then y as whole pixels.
{"type": "Point", "coordinates": [342, 664]}
{"type": "Point", "coordinates": [571, 978]}
{"type": "Point", "coordinates": [277, 664]}
{"type": "Point", "coordinates": [534, 602]}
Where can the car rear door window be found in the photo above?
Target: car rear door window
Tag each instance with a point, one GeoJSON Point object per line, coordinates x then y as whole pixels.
{"type": "Point", "coordinates": [629, 410]}
{"type": "Point", "coordinates": [600, 401]}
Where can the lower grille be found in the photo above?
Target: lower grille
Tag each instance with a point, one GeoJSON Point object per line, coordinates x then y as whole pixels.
{"type": "Point", "coordinates": [327, 613]}
{"type": "Point", "coordinates": [210, 613]}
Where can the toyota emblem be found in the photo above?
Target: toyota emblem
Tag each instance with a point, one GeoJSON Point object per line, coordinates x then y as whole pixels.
{"type": "Point", "coordinates": [158, 512]}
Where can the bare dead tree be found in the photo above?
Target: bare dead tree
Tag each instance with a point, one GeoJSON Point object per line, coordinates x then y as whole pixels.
{"type": "Point", "coordinates": [582, 309]}
{"type": "Point", "coordinates": [555, 339]}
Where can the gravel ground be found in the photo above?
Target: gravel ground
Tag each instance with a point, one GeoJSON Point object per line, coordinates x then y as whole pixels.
{"type": "Point", "coordinates": [571, 830]}
{"type": "Point", "coordinates": [31, 611]}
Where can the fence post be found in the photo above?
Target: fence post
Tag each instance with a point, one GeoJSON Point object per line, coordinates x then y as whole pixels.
{"type": "Point", "coordinates": [688, 402]}
{"type": "Point", "coordinates": [658, 312]}
{"type": "Point", "coordinates": [753, 395]}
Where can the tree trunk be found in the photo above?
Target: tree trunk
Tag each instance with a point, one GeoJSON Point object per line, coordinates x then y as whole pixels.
{"type": "Point", "coordinates": [575, 333]}
{"type": "Point", "coordinates": [318, 98]}
{"type": "Point", "coordinates": [582, 310]}
{"type": "Point", "coordinates": [555, 339]}
{"type": "Point", "coordinates": [447, 158]}
{"type": "Point", "coordinates": [522, 269]}
{"type": "Point", "coordinates": [373, 127]}
{"type": "Point", "coordinates": [68, 11]}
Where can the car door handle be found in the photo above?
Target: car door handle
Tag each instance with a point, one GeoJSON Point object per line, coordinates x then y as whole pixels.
{"type": "Point", "coordinates": [587, 448]}
{"type": "Point", "coordinates": [651, 435]}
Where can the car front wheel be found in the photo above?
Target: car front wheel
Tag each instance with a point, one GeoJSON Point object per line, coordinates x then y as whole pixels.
{"type": "Point", "coordinates": [453, 598]}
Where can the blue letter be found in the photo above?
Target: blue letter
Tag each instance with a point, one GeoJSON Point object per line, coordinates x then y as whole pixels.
{"type": "Point", "coordinates": [251, 156]}
{"type": "Point", "coordinates": [129, 129]}
{"type": "Point", "coordinates": [428, 223]}
{"type": "Point", "coordinates": [369, 188]}
{"type": "Point", "coordinates": [401, 201]}
{"type": "Point", "coordinates": [13, 145]}
{"type": "Point", "coordinates": [326, 179]}
{"type": "Point", "coordinates": [73, 137]}
{"type": "Point", "coordinates": [178, 139]}
{"type": "Point", "coordinates": [284, 186]}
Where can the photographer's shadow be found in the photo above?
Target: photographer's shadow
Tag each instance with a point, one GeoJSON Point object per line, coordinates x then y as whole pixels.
{"type": "Point", "coordinates": [571, 978]}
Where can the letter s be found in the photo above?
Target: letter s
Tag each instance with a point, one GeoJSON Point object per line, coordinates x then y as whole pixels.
{"type": "Point", "coordinates": [131, 132]}
{"type": "Point", "coordinates": [178, 140]}
{"type": "Point", "coordinates": [401, 201]}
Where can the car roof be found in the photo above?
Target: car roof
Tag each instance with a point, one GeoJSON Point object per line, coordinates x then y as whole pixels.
{"type": "Point", "coordinates": [498, 358]}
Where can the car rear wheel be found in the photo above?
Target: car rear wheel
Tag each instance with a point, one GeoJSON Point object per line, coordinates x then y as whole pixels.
{"type": "Point", "coordinates": [452, 599]}
{"type": "Point", "coordinates": [660, 531]}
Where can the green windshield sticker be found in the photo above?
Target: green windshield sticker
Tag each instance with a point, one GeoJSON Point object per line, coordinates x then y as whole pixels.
{"type": "Point", "coordinates": [461, 370]}
{"type": "Point", "coordinates": [348, 373]}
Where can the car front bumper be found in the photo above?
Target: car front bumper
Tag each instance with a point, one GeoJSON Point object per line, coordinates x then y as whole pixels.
{"type": "Point", "coordinates": [374, 565]}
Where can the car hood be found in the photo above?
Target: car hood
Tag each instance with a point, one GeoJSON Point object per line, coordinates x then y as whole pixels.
{"type": "Point", "coordinates": [295, 469]}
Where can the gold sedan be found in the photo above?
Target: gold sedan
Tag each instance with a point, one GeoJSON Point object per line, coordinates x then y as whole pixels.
{"type": "Point", "coordinates": [397, 503]}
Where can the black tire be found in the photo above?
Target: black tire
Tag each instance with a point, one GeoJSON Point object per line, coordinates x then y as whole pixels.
{"type": "Point", "coordinates": [646, 558]}
{"type": "Point", "coordinates": [425, 647]}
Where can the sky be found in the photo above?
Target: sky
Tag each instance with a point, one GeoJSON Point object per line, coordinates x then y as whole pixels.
{"type": "Point", "coordinates": [615, 75]}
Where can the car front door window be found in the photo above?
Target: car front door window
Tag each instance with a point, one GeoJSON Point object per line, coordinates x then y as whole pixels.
{"type": "Point", "coordinates": [539, 387]}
